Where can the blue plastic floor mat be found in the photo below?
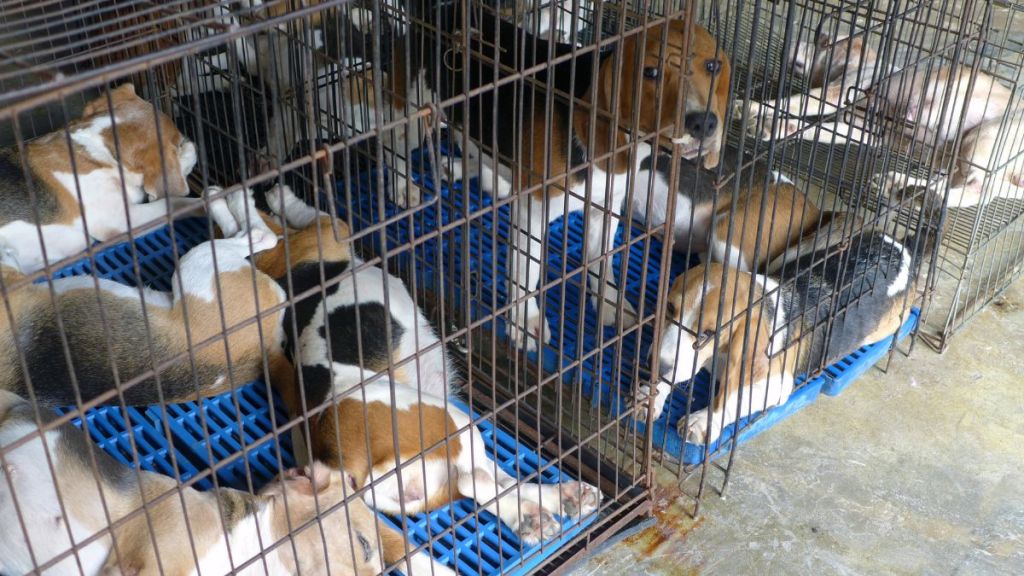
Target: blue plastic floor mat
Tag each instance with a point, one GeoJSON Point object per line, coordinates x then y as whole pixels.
{"type": "Point", "coordinates": [474, 258]}
{"type": "Point", "coordinates": [232, 432]}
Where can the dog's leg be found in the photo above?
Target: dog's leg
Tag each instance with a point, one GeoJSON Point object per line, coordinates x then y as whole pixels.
{"type": "Point", "coordinates": [289, 207]}
{"type": "Point", "coordinates": [762, 395]}
{"type": "Point", "coordinates": [818, 102]}
{"type": "Point", "coordinates": [494, 490]}
{"type": "Point", "coordinates": [605, 295]}
{"type": "Point", "coordinates": [525, 322]}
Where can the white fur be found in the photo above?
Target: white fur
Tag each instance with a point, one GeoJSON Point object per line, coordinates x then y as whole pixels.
{"type": "Point", "coordinates": [526, 507]}
{"type": "Point", "coordinates": [430, 369]}
{"type": "Point", "coordinates": [729, 254]}
{"type": "Point", "coordinates": [36, 495]}
{"type": "Point", "coordinates": [243, 543]}
{"type": "Point", "coordinates": [778, 327]}
{"type": "Point", "coordinates": [761, 395]}
{"type": "Point", "coordinates": [899, 284]}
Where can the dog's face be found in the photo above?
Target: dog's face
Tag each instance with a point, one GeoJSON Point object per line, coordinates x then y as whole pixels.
{"type": "Point", "coordinates": [139, 144]}
{"type": "Point", "coordinates": [349, 530]}
{"type": "Point", "coordinates": [808, 58]}
{"type": "Point", "coordinates": [692, 314]}
{"type": "Point", "coordinates": [705, 87]}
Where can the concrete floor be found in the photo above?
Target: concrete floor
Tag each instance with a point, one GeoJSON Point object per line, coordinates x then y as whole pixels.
{"type": "Point", "coordinates": [917, 471]}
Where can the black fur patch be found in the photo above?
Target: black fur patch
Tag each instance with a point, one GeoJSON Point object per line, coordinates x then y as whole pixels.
{"type": "Point", "coordinates": [369, 334]}
{"type": "Point", "coordinates": [316, 380]}
{"type": "Point", "coordinates": [304, 277]}
{"type": "Point", "coordinates": [74, 444]}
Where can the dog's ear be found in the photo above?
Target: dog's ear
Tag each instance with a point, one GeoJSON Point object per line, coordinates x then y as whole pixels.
{"type": "Point", "coordinates": [123, 92]}
{"type": "Point", "coordinates": [748, 358]}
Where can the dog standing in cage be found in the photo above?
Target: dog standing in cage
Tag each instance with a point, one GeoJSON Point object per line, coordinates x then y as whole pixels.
{"type": "Point", "coordinates": [54, 496]}
{"type": "Point", "coordinates": [364, 345]}
{"type": "Point", "coordinates": [92, 180]}
{"type": "Point", "coordinates": [818, 302]}
{"type": "Point", "coordinates": [556, 149]}
{"type": "Point", "coordinates": [116, 334]}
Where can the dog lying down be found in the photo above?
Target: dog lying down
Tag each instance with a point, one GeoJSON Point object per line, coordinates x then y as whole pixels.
{"type": "Point", "coordinates": [217, 532]}
{"type": "Point", "coordinates": [388, 382]}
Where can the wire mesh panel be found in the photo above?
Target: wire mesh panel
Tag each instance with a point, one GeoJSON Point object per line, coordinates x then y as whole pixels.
{"type": "Point", "coordinates": [454, 276]}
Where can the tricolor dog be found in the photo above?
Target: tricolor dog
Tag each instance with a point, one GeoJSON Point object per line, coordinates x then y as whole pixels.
{"type": "Point", "coordinates": [557, 139]}
{"type": "Point", "coordinates": [778, 325]}
{"type": "Point", "coordinates": [101, 175]}
{"type": "Point", "coordinates": [363, 346]}
{"type": "Point", "coordinates": [117, 334]}
{"type": "Point", "coordinates": [297, 524]}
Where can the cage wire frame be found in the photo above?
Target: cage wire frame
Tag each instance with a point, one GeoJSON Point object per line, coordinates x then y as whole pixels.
{"type": "Point", "coordinates": [293, 84]}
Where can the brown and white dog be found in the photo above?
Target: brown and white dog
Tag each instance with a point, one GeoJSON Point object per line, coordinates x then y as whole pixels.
{"type": "Point", "coordinates": [298, 524]}
{"type": "Point", "coordinates": [818, 302]}
{"type": "Point", "coordinates": [116, 333]}
{"type": "Point", "coordinates": [761, 225]}
{"type": "Point", "coordinates": [568, 148]}
{"type": "Point", "coordinates": [91, 180]}
{"type": "Point", "coordinates": [365, 346]}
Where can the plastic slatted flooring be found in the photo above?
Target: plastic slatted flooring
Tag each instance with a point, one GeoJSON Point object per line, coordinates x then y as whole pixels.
{"type": "Point", "coordinates": [214, 431]}
{"type": "Point", "coordinates": [481, 280]}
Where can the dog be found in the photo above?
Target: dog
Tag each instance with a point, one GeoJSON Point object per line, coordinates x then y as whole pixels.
{"type": "Point", "coordinates": [932, 105]}
{"type": "Point", "coordinates": [987, 152]}
{"type": "Point", "coordinates": [363, 346]}
{"type": "Point", "coordinates": [818, 302]}
{"type": "Point", "coordinates": [703, 216]}
{"type": "Point", "coordinates": [121, 153]}
{"type": "Point", "coordinates": [117, 333]}
{"type": "Point", "coordinates": [831, 68]}
{"type": "Point", "coordinates": [297, 524]}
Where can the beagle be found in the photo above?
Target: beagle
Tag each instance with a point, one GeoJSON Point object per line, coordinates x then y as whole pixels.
{"type": "Point", "coordinates": [987, 153]}
{"type": "Point", "coordinates": [91, 180]}
{"type": "Point", "coordinates": [117, 333]}
{"type": "Point", "coordinates": [564, 147]}
{"type": "Point", "coordinates": [932, 105]}
{"type": "Point", "coordinates": [702, 215]}
{"type": "Point", "coordinates": [297, 524]}
{"type": "Point", "coordinates": [830, 68]}
{"type": "Point", "coordinates": [818, 302]}
{"type": "Point", "coordinates": [365, 346]}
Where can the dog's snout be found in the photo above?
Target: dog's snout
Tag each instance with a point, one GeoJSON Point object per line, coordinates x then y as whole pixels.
{"type": "Point", "coordinates": [701, 124]}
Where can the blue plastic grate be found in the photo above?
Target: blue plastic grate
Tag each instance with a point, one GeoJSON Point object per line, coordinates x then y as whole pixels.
{"type": "Point", "coordinates": [206, 434]}
{"type": "Point", "coordinates": [481, 280]}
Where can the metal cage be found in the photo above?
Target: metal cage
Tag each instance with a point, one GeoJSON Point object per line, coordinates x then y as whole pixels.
{"type": "Point", "coordinates": [479, 305]}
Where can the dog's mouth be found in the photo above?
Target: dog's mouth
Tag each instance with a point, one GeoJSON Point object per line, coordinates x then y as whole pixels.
{"type": "Point", "coordinates": [690, 147]}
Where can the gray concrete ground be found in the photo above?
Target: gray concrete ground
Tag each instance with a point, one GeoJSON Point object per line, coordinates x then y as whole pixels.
{"type": "Point", "coordinates": [916, 471]}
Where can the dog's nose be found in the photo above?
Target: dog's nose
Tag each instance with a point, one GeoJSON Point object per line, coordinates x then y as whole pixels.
{"type": "Point", "coordinates": [701, 124]}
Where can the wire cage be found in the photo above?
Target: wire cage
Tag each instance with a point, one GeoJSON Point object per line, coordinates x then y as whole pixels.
{"type": "Point", "coordinates": [436, 287]}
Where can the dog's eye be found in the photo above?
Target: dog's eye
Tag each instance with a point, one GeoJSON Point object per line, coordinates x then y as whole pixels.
{"type": "Point", "coordinates": [713, 66]}
{"type": "Point", "coordinates": [367, 550]}
{"type": "Point", "coordinates": [707, 334]}
{"type": "Point", "coordinates": [672, 308]}
{"type": "Point", "coordinates": [651, 72]}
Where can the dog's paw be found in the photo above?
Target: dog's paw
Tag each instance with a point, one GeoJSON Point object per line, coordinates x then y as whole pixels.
{"type": "Point", "coordinates": [763, 117]}
{"type": "Point", "coordinates": [535, 523]}
{"type": "Point", "coordinates": [578, 499]}
{"type": "Point", "coordinates": [660, 398]}
{"type": "Point", "coordinates": [695, 428]}
{"type": "Point", "coordinates": [404, 194]}
{"type": "Point", "coordinates": [526, 321]}
{"type": "Point", "coordinates": [261, 239]}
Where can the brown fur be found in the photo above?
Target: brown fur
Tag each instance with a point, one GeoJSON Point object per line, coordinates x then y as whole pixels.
{"type": "Point", "coordinates": [788, 216]}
